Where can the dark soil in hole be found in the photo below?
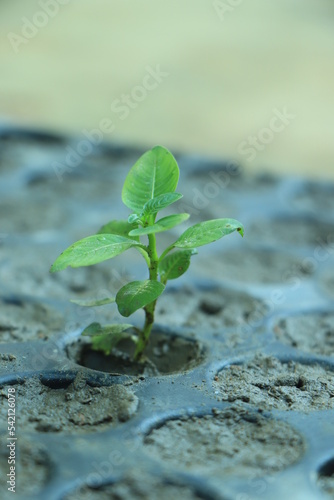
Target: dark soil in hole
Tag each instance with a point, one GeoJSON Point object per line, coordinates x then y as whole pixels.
{"type": "Point", "coordinates": [313, 333]}
{"type": "Point", "coordinates": [78, 408]}
{"type": "Point", "coordinates": [32, 468]}
{"type": "Point", "coordinates": [136, 485]}
{"type": "Point", "coordinates": [326, 478]}
{"type": "Point", "coordinates": [232, 442]}
{"type": "Point", "coordinates": [267, 383]}
{"type": "Point", "coordinates": [259, 267]}
{"type": "Point", "coordinates": [165, 354]}
{"type": "Point", "coordinates": [290, 231]}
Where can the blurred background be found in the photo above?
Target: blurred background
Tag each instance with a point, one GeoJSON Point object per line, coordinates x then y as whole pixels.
{"type": "Point", "coordinates": [248, 80]}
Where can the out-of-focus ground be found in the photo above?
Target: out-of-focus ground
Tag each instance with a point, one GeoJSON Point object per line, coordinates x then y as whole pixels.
{"type": "Point", "coordinates": [230, 69]}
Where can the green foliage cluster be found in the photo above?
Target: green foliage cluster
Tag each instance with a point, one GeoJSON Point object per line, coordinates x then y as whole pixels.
{"type": "Point", "coordinates": [149, 187]}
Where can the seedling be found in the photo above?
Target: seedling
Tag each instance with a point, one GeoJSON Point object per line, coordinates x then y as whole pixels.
{"type": "Point", "coordinates": [149, 187]}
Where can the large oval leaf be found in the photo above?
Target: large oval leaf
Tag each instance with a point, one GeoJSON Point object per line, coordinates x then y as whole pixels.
{"type": "Point", "coordinates": [207, 232]}
{"type": "Point", "coordinates": [92, 250]}
{"type": "Point", "coordinates": [136, 295]}
{"type": "Point", "coordinates": [174, 265]}
{"type": "Point", "coordinates": [161, 225]}
{"type": "Point", "coordinates": [159, 202]}
{"type": "Point", "coordinates": [155, 173]}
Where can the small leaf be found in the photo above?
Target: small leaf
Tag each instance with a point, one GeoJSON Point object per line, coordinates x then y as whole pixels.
{"type": "Point", "coordinates": [175, 264]}
{"type": "Point", "coordinates": [120, 227]}
{"type": "Point", "coordinates": [207, 232]}
{"type": "Point", "coordinates": [137, 294]}
{"type": "Point", "coordinates": [159, 202]}
{"type": "Point", "coordinates": [155, 173]}
{"type": "Point", "coordinates": [92, 250]}
{"type": "Point", "coordinates": [106, 342]}
{"type": "Point", "coordinates": [161, 225]}
{"type": "Point", "coordinates": [96, 329]}
{"type": "Point", "coordinates": [93, 302]}
{"type": "Point", "coordinates": [133, 218]}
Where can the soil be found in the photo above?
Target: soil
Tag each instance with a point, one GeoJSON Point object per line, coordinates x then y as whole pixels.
{"type": "Point", "coordinates": [313, 197]}
{"type": "Point", "coordinates": [267, 383]}
{"type": "Point", "coordinates": [312, 333]}
{"type": "Point", "coordinates": [230, 442]}
{"type": "Point", "coordinates": [136, 486]}
{"type": "Point", "coordinates": [165, 354]}
{"type": "Point", "coordinates": [22, 320]}
{"type": "Point", "coordinates": [290, 231]}
{"type": "Point", "coordinates": [77, 408]}
{"type": "Point", "coordinates": [261, 266]}
{"type": "Point", "coordinates": [207, 308]}
{"type": "Point", "coordinates": [33, 467]}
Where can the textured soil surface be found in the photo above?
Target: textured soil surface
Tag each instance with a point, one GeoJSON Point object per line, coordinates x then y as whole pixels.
{"type": "Point", "coordinates": [267, 383]}
{"type": "Point", "coordinates": [312, 333]}
{"type": "Point", "coordinates": [232, 442]}
{"type": "Point", "coordinates": [33, 467]}
{"type": "Point", "coordinates": [137, 487]}
{"type": "Point", "coordinates": [77, 408]}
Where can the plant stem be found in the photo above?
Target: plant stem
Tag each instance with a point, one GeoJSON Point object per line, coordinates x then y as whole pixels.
{"type": "Point", "coordinates": [150, 308]}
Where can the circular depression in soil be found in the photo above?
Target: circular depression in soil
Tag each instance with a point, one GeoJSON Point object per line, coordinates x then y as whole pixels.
{"type": "Point", "coordinates": [75, 408]}
{"type": "Point", "coordinates": [230, 442]}
{"type": "Point", "coordinates": [268, 383]}
{"type": "Point", "coordinates": [165, 354]}
{"type": "Point", "coordinates": [313, 333]}
{"type": "Point", "coordinates": [325, 479]}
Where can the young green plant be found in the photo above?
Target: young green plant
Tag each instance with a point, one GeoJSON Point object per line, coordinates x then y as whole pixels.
{"type": "Point", "coordinates": [149, 187]}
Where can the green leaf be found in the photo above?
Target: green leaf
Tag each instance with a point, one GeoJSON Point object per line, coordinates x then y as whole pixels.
{"type": "Point", "coordinates": [120, 227]}
{"type": "Point", "coordinates": [161, 225]}
{"type": "Point", "coordinates": [175, 264]}
{"type": "Point", "coordinates": [159, 202]}
{"type": "Point", "coordinates": [96, 329]}
{"type": "Point", "coordinates": [106, 343]}
{"type": "Point", "coordinates": [136, 295]}
{"type": "Point", "coordinates": [207, 232]}
{"type": "Point", "coordinates": [105, 338]}
{"type": "Point", "coordinates": [92, 250]}
{"type": "Point", "coordinates": [155, 173]}
{"type": "Point", "coordinates": [93, 302]}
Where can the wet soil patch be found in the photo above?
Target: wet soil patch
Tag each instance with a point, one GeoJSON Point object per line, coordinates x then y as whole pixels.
{"type": "Point", "coordinates": [77, 408]}
{"type": "Point", "coordinates": [165, 354]}
{"type": "Point", "coordinates": [290, 231]}
{"type": "Point", "coordinates": [137, 486]}
{"type": "Point", "coordinates": [326, 478]}
{"type": "Point", "coordinates": [260, 266]}
{"type": "Point", "coordinates": [230, 442]}
{"type": "Point", "coordinates": [32, 468]}
{"type": "Point", "coordinates": [313, 333]}
{"type": "Point", "coordinates": [267, 383]}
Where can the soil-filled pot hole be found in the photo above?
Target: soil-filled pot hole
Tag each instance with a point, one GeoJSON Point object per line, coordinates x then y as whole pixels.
{"type": "Point", "coordinates": [166, 353]}
{"type": "Point", "coordinates": [234, 399]}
